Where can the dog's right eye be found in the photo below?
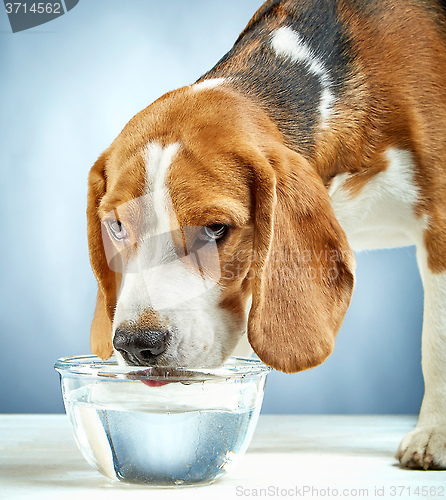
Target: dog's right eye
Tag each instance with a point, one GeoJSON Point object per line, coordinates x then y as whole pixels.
{"type": "Point", "coordinates": [117, 230]}
{"type": "Point", "coordinates": [214, 232]}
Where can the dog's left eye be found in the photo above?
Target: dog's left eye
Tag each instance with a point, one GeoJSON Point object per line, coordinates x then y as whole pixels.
{"type": "Point", "coordinates": [117, 230]}
{"type": "Point", "coordinates": [214, 232]}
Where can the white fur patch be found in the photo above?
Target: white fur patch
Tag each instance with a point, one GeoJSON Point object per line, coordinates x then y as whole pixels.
{"type": "Point", "coordinates": [433, 347]}
{"type": "Point", "coordinates": [382, 214]}
{"type": "Point", "coordinates": [289, 44]}
{"type": "Point", "coordinates": [208, 84]}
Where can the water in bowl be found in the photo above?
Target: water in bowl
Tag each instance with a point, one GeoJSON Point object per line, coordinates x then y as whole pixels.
{"type": "Point", "coordinates": [153, 441]}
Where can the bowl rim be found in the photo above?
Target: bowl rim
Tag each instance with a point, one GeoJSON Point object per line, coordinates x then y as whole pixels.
{"type": "Point", "coordinates": [92, 366]}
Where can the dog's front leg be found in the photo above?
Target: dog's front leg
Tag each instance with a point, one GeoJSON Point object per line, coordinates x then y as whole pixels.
{"type": "Point", "coordinates": [425, 446]}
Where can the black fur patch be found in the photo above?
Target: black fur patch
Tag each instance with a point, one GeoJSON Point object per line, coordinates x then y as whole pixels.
{"type": "Point", "coordinates": [290, 93]}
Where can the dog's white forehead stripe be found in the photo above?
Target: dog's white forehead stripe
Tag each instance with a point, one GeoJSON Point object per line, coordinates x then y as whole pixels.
{"type": "Point", "coordinates": [158, 161]}
{"type": "Point", "coordinates": [289, 44]}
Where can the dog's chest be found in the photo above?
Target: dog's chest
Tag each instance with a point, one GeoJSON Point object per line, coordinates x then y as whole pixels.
{"type": "Point", "coordinates": [382, 214]}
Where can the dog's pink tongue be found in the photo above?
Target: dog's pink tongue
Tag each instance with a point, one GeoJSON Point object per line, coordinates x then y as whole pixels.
{"type": "Point", "coordinates": [154, 383]}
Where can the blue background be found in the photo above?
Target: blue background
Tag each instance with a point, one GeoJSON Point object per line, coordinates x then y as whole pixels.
{"type": "Point", "coordinates": [67, 88]}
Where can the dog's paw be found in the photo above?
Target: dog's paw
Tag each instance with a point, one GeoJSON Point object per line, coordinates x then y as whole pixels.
{"type": "Point", "coordinates": [423, 448]}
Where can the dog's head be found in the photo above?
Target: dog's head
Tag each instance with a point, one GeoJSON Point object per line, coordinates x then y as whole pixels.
{"type": "Point", "coordinates": [204, 225]}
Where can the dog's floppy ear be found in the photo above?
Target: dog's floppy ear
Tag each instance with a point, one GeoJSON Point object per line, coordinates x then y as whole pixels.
{"type": "Point", "coordinates": [303, 266]}
{"type": "Point", "coordinates": [108, 281]}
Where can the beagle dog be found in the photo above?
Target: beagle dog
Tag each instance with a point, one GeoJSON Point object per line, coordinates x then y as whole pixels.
{"type": "Point", "coordinates": [222, 218]}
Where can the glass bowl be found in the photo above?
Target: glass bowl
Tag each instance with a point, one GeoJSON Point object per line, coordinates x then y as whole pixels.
{"type": "Point", "coordinates": [158, 425]}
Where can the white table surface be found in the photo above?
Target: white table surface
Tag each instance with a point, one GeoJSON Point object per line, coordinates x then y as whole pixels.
{"type": "Point", "coordinates": [336, 456]}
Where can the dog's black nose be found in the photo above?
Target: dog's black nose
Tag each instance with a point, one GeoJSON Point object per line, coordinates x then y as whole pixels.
{"type": "Point", "coordinates": [140, 347]}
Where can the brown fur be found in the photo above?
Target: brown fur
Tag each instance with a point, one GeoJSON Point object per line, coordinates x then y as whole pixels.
{"type": "Point", "coordinates": [147, 321]}
{"type": "Point", "coordinates": [304, 279]}
{"type": "Point", "coordinates": [101, 337]}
